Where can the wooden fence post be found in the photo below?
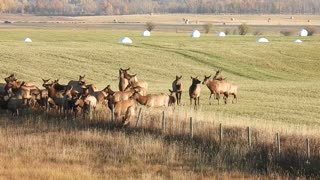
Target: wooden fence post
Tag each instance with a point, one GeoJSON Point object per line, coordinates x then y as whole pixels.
{"type": "Point", "coordinates": [249, 136]}
{"type": "Point", "coordinates": [90, 111]}
{"type": "Point", "coordinates": [308, 148]}
{"type": "Point", "coordinates": [220, 133]}
{"type": "Point", "coordinates": [278, 143]}
{"type": "Point", "coordinates": [163, 123]}
{"type": "Point", "coordinates": [191, 128]}
{"type": "Point", "coordinates": [112, 113]}
{"type": "Point", "coordinates": [138, 118]}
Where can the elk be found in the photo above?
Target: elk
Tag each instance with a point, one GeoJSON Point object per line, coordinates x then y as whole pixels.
{"type": "Point", "coordinates": [134, 83]}
{"type": "Point", "coordinates": [19, 98]}
{"type": "Point", "coordinates": [85, 103]}
{"type": "Point", "coordinates": [102, 95]}
{"type": "Point", "coordinates": [218, 87]}
{"type": "Point", "coordinates": [218, 76]}
{"type": "Point", "coordinates": [123, 82]}
{"type": "Point", "coordinates": [77, 85]}
{"type": "Point", "coordinates": [153, 100]}
{"type": "Point", "coordinates": [194, 91]}
{"type": "Point", "coordinates": [177, 88]}
{"type": "Point", "coordinates": [124, 111]}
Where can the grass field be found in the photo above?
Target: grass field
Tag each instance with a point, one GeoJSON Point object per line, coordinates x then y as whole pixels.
{"type": "Point", "coordinates": [278, 81]}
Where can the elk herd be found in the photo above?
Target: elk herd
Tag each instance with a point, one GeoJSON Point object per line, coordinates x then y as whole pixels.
{"type": "Point", "coordinates": [79, 98]}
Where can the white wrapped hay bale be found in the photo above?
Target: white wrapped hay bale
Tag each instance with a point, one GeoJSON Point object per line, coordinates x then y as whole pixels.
{"type": "Point", "coordinates": [125, 40]}
{"type": "Point", "coordinates": [303, 32]}
{"type": "Point", "coordinates": [146, 33]}
{"type": "Point", "coordinates": [27, 40]}
{"type": "Point", "coordinates": [262, 40]}
{"type": "Point", "coordinates": [195, 34]}
{"type": "Point", "coordinates": [221, 34]}
{"type": "Point", "coordinates": [297, 41]}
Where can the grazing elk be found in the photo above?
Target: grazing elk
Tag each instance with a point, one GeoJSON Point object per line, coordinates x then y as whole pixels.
{"type": "Point", "coordinates": [123, 82]}
{"type": "Point", "coordinates": [154, 100]}
{"type": "Point", "coordinates": [177, 88]}
{"type": "Point", "coordinates": [218, 87]}
{"type": "Point", "coordinates": [194, 91]}
{"type": "Point", "coordinates": [124, 111]}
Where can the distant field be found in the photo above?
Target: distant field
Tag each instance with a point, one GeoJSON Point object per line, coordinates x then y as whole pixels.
{"type": "Point", "coordinates": [267, 24]}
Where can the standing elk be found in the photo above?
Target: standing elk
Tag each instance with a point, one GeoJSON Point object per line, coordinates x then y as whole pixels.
{"type": "Point", "coordinates": [19, 97]}
{"type": "Point", "coordinates": [124, 111]}
{"type": "Point", "coordinates": [77, 85]}
{"type": "Point", "coordinates": [123, 82]}
{"type": "Point", "coordinates": [177, 88]}
{"type": "Point", "coordinates": [153, 100]}
{"type": "Point", "coordinates": [134, 83]}
{"type": "Point", "coordinates": [218, 87]}
{"type": "Point", "coordinates": [194, 91]}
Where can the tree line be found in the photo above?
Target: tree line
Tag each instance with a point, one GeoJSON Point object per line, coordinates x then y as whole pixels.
{"type": "Point", "coordinates": [122, 7]}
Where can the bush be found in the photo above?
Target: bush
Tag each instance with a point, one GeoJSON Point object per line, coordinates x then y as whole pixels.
{"type": "Point", "coordinates": [150, 26]}
{"type": "Point", "coordinates": [311, 30]}
{"type": "Point", "coordinates": [227, 31]}
{"type": "Point", "coordinates": [7, 22]}
{"type": "Point", "coordinates": [207, 27]}
{"type": "Point", "coordinates": [286, 32]}
{"type": "Point", "coordinates": [243, 29]}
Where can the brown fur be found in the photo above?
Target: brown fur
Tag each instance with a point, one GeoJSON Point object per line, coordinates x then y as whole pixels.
{"type": "Point", "coordinates": [123, 82]}
{"type": "Point", "coordinates": [153, 100]}
{"type": "Point", "coordinates": [194, 92]}
{"type": "Point", "coordinates": [134, 83]}
{"type": "Point", "coordinates": [218, 87]}
{"type": "Point", "coordinates": [177, 88]}
{"type": "Point", "coordinates": [124, 111]}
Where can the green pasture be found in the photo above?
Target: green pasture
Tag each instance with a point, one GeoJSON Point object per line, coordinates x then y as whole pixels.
{"type": "Point", "coordinates": [278, 81]}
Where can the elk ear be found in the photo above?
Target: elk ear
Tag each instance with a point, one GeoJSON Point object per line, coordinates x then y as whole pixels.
{"type": "Point", "coordinates": [180, 77]}
{"type": "Point", "coordinates": [170, 90]}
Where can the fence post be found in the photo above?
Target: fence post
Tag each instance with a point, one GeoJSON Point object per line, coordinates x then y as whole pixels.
{"type": "Point", "coordinates": [191, 128]}
{"type": "Point", "coordinates": [308, 148]}
{"type": "Point", "coordinates": [221, 133]}
{"type": "Point", "coordinates": [138, 118]}
{"type": "Point", "coordinates": [90, 111]}
{"type": "Point", "coordinates": [112, 113]}
{"type": "Point", "coordinates": [249, 136]}
{"type": "Point", "coordinates": [163, 123]}
{"type": "Point", "coordinates": [278, 143]}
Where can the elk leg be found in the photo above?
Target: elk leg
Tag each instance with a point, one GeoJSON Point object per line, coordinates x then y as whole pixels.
{"type": "Point", "coordinates": [234, 98]}
{"type": "Point", "coordinates": [210, 99]}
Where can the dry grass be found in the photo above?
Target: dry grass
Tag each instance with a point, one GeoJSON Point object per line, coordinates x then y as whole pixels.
{"type": "Point", "coordinates": [36, 147]}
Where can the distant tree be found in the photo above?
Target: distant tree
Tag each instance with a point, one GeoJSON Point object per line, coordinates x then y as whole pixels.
{"type": "Point", "coordinates": [243, 29]}
{"type": "Point", "coordinates": [207, 27]}
{"type": "Point", "coordinates": [150, 26]}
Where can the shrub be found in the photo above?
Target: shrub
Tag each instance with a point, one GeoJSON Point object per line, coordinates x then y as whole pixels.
{"type": "Point", "coordinates": [207, 27]}
{"type": "Point", "coordinates": [243, 29]}
{"type": "Point", "coordinates": [7, 22]}
{"type": "Point", "coordinates": [286, 32]}
{"type": "Point", "coordinates": [150, 26]}
{"type": "Point", "coordinates": [227, 31]}
{"type": "Point", "coordinates": [311, 30]}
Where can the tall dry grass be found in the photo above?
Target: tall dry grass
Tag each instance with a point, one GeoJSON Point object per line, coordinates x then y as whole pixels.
{"type": "Point", "coordinates": [37, 146]}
